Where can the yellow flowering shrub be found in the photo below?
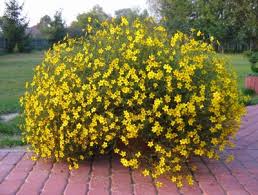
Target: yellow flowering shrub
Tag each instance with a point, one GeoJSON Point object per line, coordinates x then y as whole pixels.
{"type": "Point", "coordinates": [132, 89]}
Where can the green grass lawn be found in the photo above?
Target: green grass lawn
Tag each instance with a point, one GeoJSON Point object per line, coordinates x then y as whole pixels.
{"type": "Point", "coordinates": [15, 70]}
{"type": "Point", "coordinates": [10, 134]}
{"type": "Point", "coordinates": [241, 66]}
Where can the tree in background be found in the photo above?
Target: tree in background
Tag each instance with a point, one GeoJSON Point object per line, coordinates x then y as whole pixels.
{"type": "Point", "coordinates": [177, 13]}
{"type": "Point", "coordinates": [44, 27]}
{"type": "Point", "coordinates": [57, 28]}
{"type": "Point", "coordinates": [211, 18]}
{"type": "Point", "coordinates": [233, 22]}
{"type": "Point", "coordinates": [52, 29]}
{"type": "Point", "coordinates": [245, 21]}
{"type": "Point", "coordinates": [230, 21]}
{"type": "Point", "coordinates": [131, 14]}
{"type": "Point", "coordinates": [1, 23]}
{"type": "Point", "coordinates": [184, 15]}
{"type": "Point", "coordinates": [97, 16]}
{"type": "Point", "coordinates": [14, 27]}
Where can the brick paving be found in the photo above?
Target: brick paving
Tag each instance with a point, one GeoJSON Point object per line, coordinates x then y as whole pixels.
{"type": "Point", "coordinates": [106, 176]}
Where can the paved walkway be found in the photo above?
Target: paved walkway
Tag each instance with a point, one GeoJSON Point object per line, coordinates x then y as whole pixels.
{"type": "Point", "coordinates": [19, 175]}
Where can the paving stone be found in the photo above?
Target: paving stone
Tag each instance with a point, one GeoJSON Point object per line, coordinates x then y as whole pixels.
{"type": "Point", "coordinates": [78, 180]}
{"type": "Point", "coordinates": [229, 183]}
{"type": "Point", "coordinates": [15, 178]}
{"type": "Point", "coordinates": [36, 178]}
{"type": "Point", "coordinates": [253, 154]}
{"type": "Point", "coordinates": [211, 188]}
{"type": "Point", "coordinates": [9, 187]}
{"type": "Point", "coordinates": [142, 185]}
{"type": "Point", "coordinates": [168, 187]}
{"type": "Point", "coordinates": [3, 154]}
{"type": "Point", "coordinates": [57, 181]}
{"type": "Point", "coordinates": [12, 158]}
{"type": "Point", "coordinates": [237, 192]}
{"type": "Point", "coordinates": [121, 178]}
{"type": "Point", "coordinates": [4, 170]}
{"type": "Point", "coordinates": [100, 181]}
{"type": "Point", "coordinates": [191, 190]}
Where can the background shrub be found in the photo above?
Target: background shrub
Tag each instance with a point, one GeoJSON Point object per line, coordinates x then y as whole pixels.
{"type": "Point", "coordinates": [253, 59]}
{"type": "Point", "coordinates": [249, 92]}
{"type": "Point", "coordinates": [132, 89]}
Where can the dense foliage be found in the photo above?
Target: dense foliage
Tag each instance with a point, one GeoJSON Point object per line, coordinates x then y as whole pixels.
{"type": "Point", "coordinates": [234, 23]}
{"type": "Point", "coordinates": [253, 59]}
{"type": "Point", "coordinates": [52, 29]}
{"type": "Point", "coordinates": [97, 16]}
{"type": "Point", "coordinates": [14, 27]}
{"type": "Point", "coordinates": [132, 89]}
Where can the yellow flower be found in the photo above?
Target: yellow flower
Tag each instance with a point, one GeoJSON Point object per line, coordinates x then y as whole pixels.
{"type": "Point", "coordinates": [177, 167]}
{"type": "Point", "coordinates": [178, 98]}
{"type": "Point", "coordinates": [146, 172]}
{"type": "Point", "coordinates": [150, 144]}
{"type": "Point", "coordinates": [159, 184]}
{"type": "Point", "coordinates": [229, 158]}
{"type": "Point", "coordinates": [124, 162]}
{"type": "Point", "coordinates": [190, 179]}
{"type": "Point", "coordinates": [116, 150]}
{"type": "Point", "coordinates": [124, 21]}
{"type": "Point", "coordinates": [184, 141]}
{"type": "Point", "coordinates": [157, 128]}
{"type": "Point", "coordinates": [123, 153]}
{"type": "Point", "coordinates": [104, 145]}
{"type": "Point", "coordinates": [78, 126]}
{"type": "Point", "coordinates": [151, 75]}
{"type": "Point", "coordinates": [167, 98]}
{"type": "Point", "coordinates": [168, 68]}
{"type": "Point", "coordinates": [138, 154]}
{"type": "Point", "coordinates": [173, 179]}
